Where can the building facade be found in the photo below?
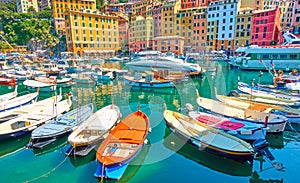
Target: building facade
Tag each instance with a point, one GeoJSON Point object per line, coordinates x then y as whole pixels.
{"type": "Point", "coordinates": [45, 3]}
{"type": "Point", "coordinates": [157, 18]}
{"type": "Point", "coordinates": [221, 25]}
{"type": "Point", "coordinates": [199, 29]}
{"type": "Point", "coordinates": [60, 6]}
{"type": "Point", "coordinates": [266, 27]}
{"type": "Point", "coordinates": [141, 33]}
{"type": "Point", "coordinates": [283, 7]}
{"type": "Point", "coordinates": [174, 44]}
{"type": "Point", "coordinates": [91, 33]}
{"type": "Point", "coordinates": [243, 27]}
{"type": "Point", "coordinates": [23, 5]}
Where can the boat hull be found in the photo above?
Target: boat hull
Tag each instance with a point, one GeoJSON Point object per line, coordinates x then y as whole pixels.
{"type": "Point", "coordinates": [41, 141]}
{"type": "Point", "coordinates": [114, 171]}
{"type": "Point", "coordinates": [212, 149]}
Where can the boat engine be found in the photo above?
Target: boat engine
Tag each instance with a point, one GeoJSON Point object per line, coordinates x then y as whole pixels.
{"type": "Point", "coordinates": [261, 148]}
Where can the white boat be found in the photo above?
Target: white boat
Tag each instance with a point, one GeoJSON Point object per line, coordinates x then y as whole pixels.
{"type": "Point", "coordinates": [164, 63]}
{"type": "Point", "coordinates": [92, 130]}
{"type": "Point", "coordinates": [60, 82]}
{"type": "Point", "coordinates": [245, 88]}
{"type": "Point", "coordinates": [23, 125]}
{"type": "Point", "coordinates": [44, 87]}
{"type": "Point", "coordinates": [207, 138]}
{"type": "Point", "coordinates": [60, 126]}
{"type": "Point", "coordinates": [293, 115]}
{"type": "Point", "coordinates": [275, 123]}
{"type": "Point", "coordinates": [283, 57]}
{"type": "Point", "coordinates": [10, 95]}
{"type": "Point", "coordinates": [18, 101]}
{"type": "Point", "coordinates": [240, 129]}
{"type": "Point", "coordinates": [27, 109]}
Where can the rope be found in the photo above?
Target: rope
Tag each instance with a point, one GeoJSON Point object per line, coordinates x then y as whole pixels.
{"type": "Point", "coordinates": [48, 173]}
{"type": "Point", "coordinates": [102, 178]}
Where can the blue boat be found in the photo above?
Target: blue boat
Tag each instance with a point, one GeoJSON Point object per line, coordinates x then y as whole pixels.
{"type": "Point", "coordinates": [59, 127]}
{"type": "Point", "coordinates": [122, 145]}
{"type": "Point", "coordinates": [148, 82]}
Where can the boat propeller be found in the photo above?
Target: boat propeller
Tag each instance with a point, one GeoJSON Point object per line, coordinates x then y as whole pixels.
{"type": "Point", "coordinates": [261, 148]}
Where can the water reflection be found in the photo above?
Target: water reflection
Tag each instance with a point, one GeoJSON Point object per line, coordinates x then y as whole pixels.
{"type": "Point", "coordinates": [51, 147]}
{"type": "Point", "coordinates": [12, 145]}
{"type": "Point", "coordinates": [220, 164]}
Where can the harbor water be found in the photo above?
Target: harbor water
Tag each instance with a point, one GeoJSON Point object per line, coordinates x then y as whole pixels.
{"type": "Point", "coordinates": [166, 158]}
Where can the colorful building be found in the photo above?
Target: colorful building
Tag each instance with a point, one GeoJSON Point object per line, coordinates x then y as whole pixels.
{"type": "Point", "coordinates": [296, 18]}
{"type": "Point", "coordinates": [23, 5]}
{"type": "Point", "coordinates": [185, 27]}
{"type": "Point", "coordinates": [185, 4]}
{"type": "Point", "coordinates": [266, 27]}
{"type": "Point", "coordinates": [168, 21]}
{"type": "Point", "coordinates": [174, 44]}
{"type": "Point", "coordinates": [253, 4]}
{"type": "Point", "coordinates": [91, 33]}
{"type": "Point", "coordinates": [60, 6]}
{"type": "Point", "coordinates": [221, 25]}
{"type": "Point", "coordinates": [157, 18]}
{"type": "Point", "coordinates": [123, 32]}
{"type": "Point", "coordinates": [199, 29]}
{"type": "Point", "coordinates": [243, 27]}
{"type": "Point", "coordinates": [283, 7]}
{"type": "Point", "coordinates": [45, 3]}
{"type": "Point", "coordinates": [141, 33]}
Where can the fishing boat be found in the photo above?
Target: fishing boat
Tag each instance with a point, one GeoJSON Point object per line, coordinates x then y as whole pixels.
{"type": "Point", "coordinates": [18, 101]}
{"type": "Point", "coordinates": [293, 115]}
{"type": "Point", "coordinates": [275, 123]}
{"type": "Point", "coordinates": [24, 124]}
{"type": "Point", "coordinates": [148, 82]}
{"type": "Point", "coordinates": [122, 145]}
{"type": "Point", "coordinates": [59, 127]}
{"type": "Point", "coordinates": [7, 81]}
{"type": "Point", "coordinates": [10, 95]}
{"type": "Point", "coordinates": [266, 100]}
{"type": "Point", "coordinates": [92, 130]}
{"type": "Point", "coordinates": [241, 129]}
{"type": "Point", "coordinates": [245, 88]}
{"type": "Point", "coordinates": [27, 109]}
{"type": "Point", "coordinates": [44, 87]}
{"type": "Point", "coordinates": [207, 138]}
{"type": "Point", "coordinates": [283, 57]}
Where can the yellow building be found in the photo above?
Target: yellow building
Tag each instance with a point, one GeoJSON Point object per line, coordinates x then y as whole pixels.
{"type": "Point", "coordinates": [168, 20]}
{"type": "Point", "coordinates": [142, 32]}
{"type": "Point", "coordinates": [283, 6]}
{"type": "Point", "coordinates": [243, 27]}
{"type": "Point", "coordinates": [60, 6]}
{"type": "Point", "coordinates": [91, 33]}
{"type": "Point", "coordinates": [254, 4]}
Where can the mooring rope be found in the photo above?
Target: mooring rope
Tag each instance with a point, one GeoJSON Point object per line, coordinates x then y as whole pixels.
{"type": "Point", "coordinates": [49, 172]}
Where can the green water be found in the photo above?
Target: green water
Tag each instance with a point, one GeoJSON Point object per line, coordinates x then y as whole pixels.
{"type": "Point", "coordinates": [166, 158]}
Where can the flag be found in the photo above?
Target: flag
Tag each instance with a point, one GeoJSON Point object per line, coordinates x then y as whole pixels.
{"type": "Point", "coordinates": [271, 62]}
{"type": "Point", "coordinates": [260, 60]}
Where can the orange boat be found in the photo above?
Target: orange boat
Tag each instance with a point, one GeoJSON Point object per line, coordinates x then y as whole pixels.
{"type": "Point", "coordinates": [7, 81]}
{"type": "Point", "coordinates": [122, 145]}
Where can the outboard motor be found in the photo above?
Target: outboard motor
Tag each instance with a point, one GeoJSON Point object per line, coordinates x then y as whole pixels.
{"type": "Point", "coordinates": [261, 148]}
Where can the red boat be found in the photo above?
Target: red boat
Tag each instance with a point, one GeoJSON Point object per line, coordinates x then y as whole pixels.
{"type": "Point", "coordinates": [7, 81]}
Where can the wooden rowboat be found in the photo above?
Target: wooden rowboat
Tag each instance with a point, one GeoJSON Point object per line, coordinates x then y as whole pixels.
{"type": "Point", "coordinates": [24, 124]}
{"type": "Point", "coordinates": [10, 95]}
{"type": "Point", "coordinates": [275, 123]}
{"type": "Point", "coordinates": [60, 126]}
{"type": "Point", "coordinates": [240, 129]}
{"type": "Point", "coordinates": [207, 138]}
{"type": "Point", "coordinates": [122, 145]}
{"type": "Point", "coordinates": [18, 101]}
{"type": "Point", "coordinates": [93, 130]}
{"type": "Point", "coordinates": [293, 115]}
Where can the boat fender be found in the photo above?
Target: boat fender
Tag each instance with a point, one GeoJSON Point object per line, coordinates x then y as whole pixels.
{"type": "Point", "coordinates": [266, 121]}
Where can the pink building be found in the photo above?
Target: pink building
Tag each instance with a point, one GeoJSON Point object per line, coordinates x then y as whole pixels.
{"type": "Point", "coordinates": [296, 19]}
{"type": "Point", "coordinates": [123, 34]}
{"type": "Point", "coordinates": [174, 44]}
{"type": "Point", "coordinates": [266, 27]}
{"type": "Point", "coordinates": [157, 18]}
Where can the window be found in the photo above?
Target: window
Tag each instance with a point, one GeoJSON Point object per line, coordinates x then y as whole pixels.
{"type": "Point", "coordinates": [293, 56]}
{"type": "Point", "coordinates": [265, 56]}
{"type": "Point", "coordinates": [264, 35]}
{"type": "Point", "coordinates": [283, 56]}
